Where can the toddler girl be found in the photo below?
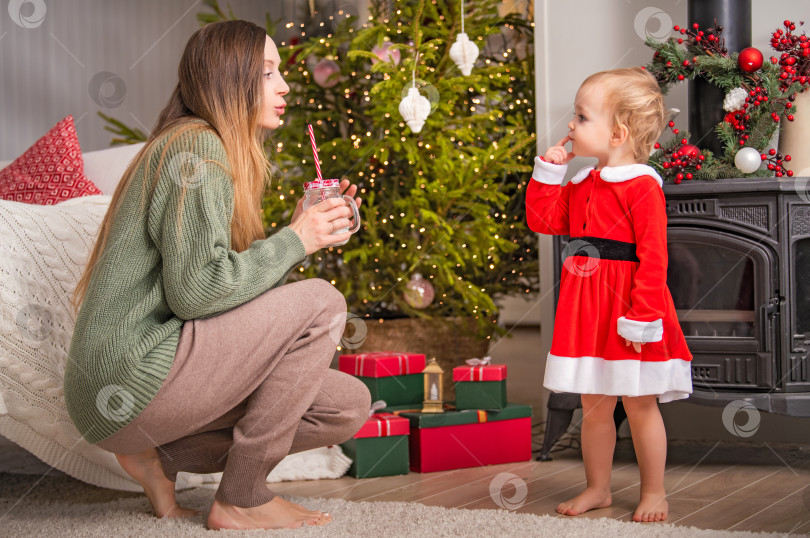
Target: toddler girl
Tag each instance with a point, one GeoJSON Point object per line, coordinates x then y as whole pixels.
{"type": "Point", "coordinates": [616, 332]}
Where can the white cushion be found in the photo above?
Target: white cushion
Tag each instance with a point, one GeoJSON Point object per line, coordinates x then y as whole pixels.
{"type": "Point", "coordinates": [105, 166]}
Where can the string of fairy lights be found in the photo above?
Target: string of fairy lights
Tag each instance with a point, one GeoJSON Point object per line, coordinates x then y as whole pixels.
{"type": "Point", "coordinates": [375, 167]}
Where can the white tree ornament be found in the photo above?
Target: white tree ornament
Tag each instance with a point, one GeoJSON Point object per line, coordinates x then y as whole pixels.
{"type": "Point", "coordinates": [414, 107]}
{"type": "Point", "coordinates": [464, 52]}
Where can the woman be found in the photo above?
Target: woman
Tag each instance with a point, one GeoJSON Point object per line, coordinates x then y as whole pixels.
{"type": "Point", "coordinates": [188, 353]}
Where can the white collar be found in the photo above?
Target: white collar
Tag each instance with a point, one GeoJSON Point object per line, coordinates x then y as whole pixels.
{"type": "Point", "coordinates": [617, 174]}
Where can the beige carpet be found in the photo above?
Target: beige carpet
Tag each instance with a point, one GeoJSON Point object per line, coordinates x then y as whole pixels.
{"type": "Point", "coordinates": [60, 507]}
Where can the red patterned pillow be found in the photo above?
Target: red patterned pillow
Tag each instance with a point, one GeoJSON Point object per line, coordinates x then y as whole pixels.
{"type": "Point", "coordinates": [50, 171]}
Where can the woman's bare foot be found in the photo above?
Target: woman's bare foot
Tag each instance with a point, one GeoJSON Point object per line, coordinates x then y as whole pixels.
{"type": "Point", "coordinates": [276, 514]}
{"type": "Point", "coordinates": [146, 469]}
{"type": "Point", "coordinates": [652, 507]}
{"type": "Point", "coordinates": [587, 500]}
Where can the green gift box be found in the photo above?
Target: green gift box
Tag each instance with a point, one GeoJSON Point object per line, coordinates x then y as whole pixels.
{"type": "Point", "coordinates": [380, 448]}
{"type": "Point", "coordinates": [480, 387]}
{"type": "Point", "coordinates": [396, 390]}
{"type": "Point", "coordinates": [481, 395]}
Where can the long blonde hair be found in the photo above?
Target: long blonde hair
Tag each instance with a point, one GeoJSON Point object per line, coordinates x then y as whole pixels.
{"type": "Point", "coordinates": [635, 99]}
{"type": "Point", "coordinates": [220, 81]}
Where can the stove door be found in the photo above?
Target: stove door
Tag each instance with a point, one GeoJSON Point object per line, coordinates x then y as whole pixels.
{"type": "Point", "coordinates": [723, 288]}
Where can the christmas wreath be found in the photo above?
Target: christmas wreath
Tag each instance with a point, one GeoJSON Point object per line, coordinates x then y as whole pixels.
{"type": "Point", "coordinates": [759, 95]}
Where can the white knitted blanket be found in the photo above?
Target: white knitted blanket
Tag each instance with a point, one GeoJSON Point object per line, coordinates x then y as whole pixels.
{"type": "Point", "coordinates": [42, 252]}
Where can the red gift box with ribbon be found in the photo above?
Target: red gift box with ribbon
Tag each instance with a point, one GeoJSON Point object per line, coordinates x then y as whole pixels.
{"type": "Point", "coordinates": [494, 372]}
{"type": "Point", "coordinates": [380, 447]}
{"type": "Point", "coordinates": [382, 364]}
{"type": "Point", "coordinates": [384, 425]}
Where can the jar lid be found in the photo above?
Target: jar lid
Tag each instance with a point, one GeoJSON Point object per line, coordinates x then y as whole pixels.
{"type": "Point", "coordinates": [322, 183]}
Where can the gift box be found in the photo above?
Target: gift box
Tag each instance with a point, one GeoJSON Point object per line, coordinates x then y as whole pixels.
{"type": "Point", "coordinates": [480, 387]}
{"type": "Point", "coordinates": [393, 377]}
{"type": "Point", "coordinates": [469, 438]}
{"type": "Point", "coordinates": [380, 448]}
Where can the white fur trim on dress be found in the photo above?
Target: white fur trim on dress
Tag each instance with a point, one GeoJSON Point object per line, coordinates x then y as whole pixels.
{"type": "Point", "coordinates": [669, 380]}
{"type": "Point", "coordinates": [640, 331]}
{"type": "Point", "coordinates": [548, 173]}
{"type": "Point", "coordinates": [617, 174]}
{"type": "Point", "coordinates": [582, 174]}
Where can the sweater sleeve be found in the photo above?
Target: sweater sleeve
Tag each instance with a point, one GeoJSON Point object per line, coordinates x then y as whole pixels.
{"type": "Point", "coordinates": [546, 199]}
{"type": "Point", "coordinates": [643, 322]}
{"type": "Point", "coordinates": [202, 276]}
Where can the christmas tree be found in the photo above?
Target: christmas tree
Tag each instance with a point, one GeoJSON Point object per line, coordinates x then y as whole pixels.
{"type": "Point", "coordinates": [446, 202]}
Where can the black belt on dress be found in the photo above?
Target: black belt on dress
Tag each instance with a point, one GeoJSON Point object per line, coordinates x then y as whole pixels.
{"type": "Point", "coordinates": [601, 248]}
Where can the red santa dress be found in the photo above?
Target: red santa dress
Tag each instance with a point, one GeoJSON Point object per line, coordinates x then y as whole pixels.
{"type": "Point", "coordinates": [613, 284]}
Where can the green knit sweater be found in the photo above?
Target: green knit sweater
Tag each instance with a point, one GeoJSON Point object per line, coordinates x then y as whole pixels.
{"type": "Point", "coordinates": [153, 275]}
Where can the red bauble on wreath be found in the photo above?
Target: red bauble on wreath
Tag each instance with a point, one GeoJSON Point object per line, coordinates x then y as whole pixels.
{"type": "Point", "coordinates": [689, 150]}
{"type": "Point", "coordinates": [750, 59]}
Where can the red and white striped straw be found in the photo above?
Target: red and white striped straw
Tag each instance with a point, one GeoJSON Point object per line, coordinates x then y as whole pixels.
{"type": "Point", "coordinates": [315, 152]}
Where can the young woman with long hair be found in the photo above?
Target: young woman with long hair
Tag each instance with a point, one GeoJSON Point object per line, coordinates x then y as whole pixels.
{"type": "Point", "coordinates": [188, 353]}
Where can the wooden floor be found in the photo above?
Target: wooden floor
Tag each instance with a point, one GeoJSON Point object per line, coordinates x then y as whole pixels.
{"type": "Point", "coordinates": [712, 486]}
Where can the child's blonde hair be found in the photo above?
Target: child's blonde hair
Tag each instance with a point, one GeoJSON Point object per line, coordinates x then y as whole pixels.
{"type": "Point", "coordinates": [635, 100]}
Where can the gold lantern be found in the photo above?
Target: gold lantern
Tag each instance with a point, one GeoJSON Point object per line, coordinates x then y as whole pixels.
{"type": "Point", "coordinates": [434, 390]}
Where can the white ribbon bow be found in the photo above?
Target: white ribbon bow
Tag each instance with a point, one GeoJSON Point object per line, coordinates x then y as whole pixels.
{"type": "Point", "coordinates": [479, 362]}
{"type": "Point", "coordinates": [376, 406]}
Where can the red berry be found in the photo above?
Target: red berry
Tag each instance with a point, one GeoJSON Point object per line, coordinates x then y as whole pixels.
{"type": "Point", "coordinates": [671, 124]}
{"type": "Point", "coordinates": [676, 131]}
{"type": "Point", "coordinates": [679, 176]}
{"type": "Point", "coordinates": [677, 181]}
{"type": "Point", "coordinates": [681, 77]}
{"type": "Point", "coordinates": [790, 173]}
{"type": "Point", "coordinates": [688, 176]}
{"type": "Point", "coordinates": [772, 152]}
{"type": "Point", "coordinates": [788, 158]}
{"type": "Point", "coordinates": [790, 117]}
{"type": "Point", "coordinates": [697, 167]}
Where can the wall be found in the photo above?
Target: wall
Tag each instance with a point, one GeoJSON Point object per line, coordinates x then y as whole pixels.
{"type": "Point", "coordinates": [118, 57]}
{"type": "Point", "coordinates": [569, 47]}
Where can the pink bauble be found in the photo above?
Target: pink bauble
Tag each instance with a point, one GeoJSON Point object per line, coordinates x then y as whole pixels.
{"type": "Point", "coordinates": [385, 54]}
{"type": "Point", "coordinates": [326, 74]}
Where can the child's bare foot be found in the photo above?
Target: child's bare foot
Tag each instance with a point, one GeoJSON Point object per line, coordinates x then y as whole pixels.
{"type": "Point", "coordinates": [652, 507]}
{"type": "Point", "coordinates": [146, 469]}
{"type": "Point", "coordinates": [276, 514]}
{"type": "Point", "coordinates": [587, 500]}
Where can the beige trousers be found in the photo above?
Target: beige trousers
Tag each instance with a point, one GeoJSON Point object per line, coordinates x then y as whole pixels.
{"type": "Point", "coordinates": [249, 386]}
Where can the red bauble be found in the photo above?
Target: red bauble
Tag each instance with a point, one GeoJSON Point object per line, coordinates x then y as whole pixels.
{"type": "Point", "coordinates": [750, 59]}
{"type": "Point", "coordinates": [689, 150]}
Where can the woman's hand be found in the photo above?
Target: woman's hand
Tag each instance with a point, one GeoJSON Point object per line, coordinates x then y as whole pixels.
{"type": "Point", "coordinates": [347, 188]}
{"type": "Point", "coordinates": [315, 225]}
{"type": "Point", "coordinates": [558, 154]}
